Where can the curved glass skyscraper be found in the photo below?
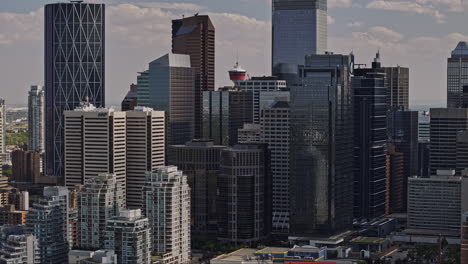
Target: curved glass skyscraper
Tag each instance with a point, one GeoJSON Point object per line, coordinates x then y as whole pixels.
{"type": "Point", "coordinates": [74, 68]}
{"type": "Point", "coordinates": [299, 29]}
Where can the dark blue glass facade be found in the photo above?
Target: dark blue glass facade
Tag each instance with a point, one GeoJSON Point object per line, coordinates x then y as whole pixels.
{"type": "Point", "coordinates": [321, 150]}
{"type": "Point", "coordinates": [74, 68]}
{"type": "Point", "coordinates": [370, 131]}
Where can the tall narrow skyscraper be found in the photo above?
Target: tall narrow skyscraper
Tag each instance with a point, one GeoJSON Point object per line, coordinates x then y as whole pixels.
{"type": "Point", "coordinates": [322, 146]}
{"type": "Point", "coordinates": [145, 149]}
{"type": "Point", "coordinates": [36, 129]}
{"type": "Point", "coordinates": [370, 133]}
{"type": "Point", "coordinates": [195, 36]}
{"type": "Point", "coordinates": [457, 75]}
{"type": "Point", "coordinates": [74, 69]}
{"type": "Point", "coordinates": [275, 131]}
{"type": "Point", "coordinates": [299, 29]}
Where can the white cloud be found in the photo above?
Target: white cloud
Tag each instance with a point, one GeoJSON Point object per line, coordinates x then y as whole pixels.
{"type": "Point", "coordinates": [339, 3]}
{"type": "Point", "coordinates": [355, 24]}
{"type": "Point", "coordinates": [386, 34]}
{"type": "Point", "coordinates": [406, 6]}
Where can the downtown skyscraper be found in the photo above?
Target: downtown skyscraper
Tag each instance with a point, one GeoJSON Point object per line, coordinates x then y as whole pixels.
{"type": "Point", "coordinates": [36, 129]}
{"type": "Point", "coordinates": [299, 29]}
{"type": "Point", "coordinates": [321, 116]}
{"type": "Point", "coordinates": [370, 133]}
{"type": "Point", "coordinates": [74, 69]}
{"type": "Point", "coordinates": [457, 76]}
{"type": "Point", "coordinates": [195, 36]}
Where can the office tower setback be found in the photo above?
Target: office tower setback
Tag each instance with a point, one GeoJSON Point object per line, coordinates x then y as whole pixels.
{"type": "Point", "coordinates": [95, 143]}
{"type": "Point", "coordinates": [166, 203]}
{"type": "Point", "coordinates": [36, 119]}
{"type": "Point", "coordinates": [224, 113]}
{"type": "Point", "coordinates": [322, 146]}
{"type": "Point", "coordinates": [370, 131]}
{"type": "Point", "coordinates": [129, 236]}
{"type": "Point", "coordinates": [397, 84]}
{"type": "Point", "coordinates": [457, 76]}
{"type": "Point", "coordinates": [264, 91]}
{"type": "Point", "coordinates": [74, 69]}
{"type": "Point", "coordinates": [20, 249]}
{"type": "Point", "coordinates": [199, 160]}
{"type": "Point", "coordinates": [275, 131]}
{"type": "Point", "coordinates": [171, 89]}
{"type": "Point", "coordinates": [435, 203]}
{"type": "Point", "coordinates": [244, 201]}
{"type": "Point", "coordinates": [131, 100]}
{"type": "Point", "coordinates": [47, 220]}
{"type": "Point", "coordinates": [446, 123]}
{"type": "Point", "coordinates": [97, 203]}
{"type": "Point", "coordinates": [20, 199]}
{"type": "Point", "coordinates": [299, 28]}
{"type": "Point", "coordinates": [26, 166]}
{"type": "Point", "coordinates": [462, 152]}
{"type": "Point", "coordinates": [195, 36]}
{"type": "Point", "coordinates": [145, 149]}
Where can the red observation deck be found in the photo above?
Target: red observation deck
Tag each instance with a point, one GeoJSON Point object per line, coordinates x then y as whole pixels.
{"type": "Point", "coordinates": [237, 73]}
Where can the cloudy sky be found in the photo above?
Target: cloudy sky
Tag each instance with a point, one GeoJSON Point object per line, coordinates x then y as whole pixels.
{"type": "Point", "coordinates": [416, 33]}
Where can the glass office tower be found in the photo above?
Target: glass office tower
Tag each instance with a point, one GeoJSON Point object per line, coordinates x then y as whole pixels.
{"type": "Point", "coordinates": [457, 75]}
{"type": "Point", "coordinates": [74, 68]}
{"type": "Point", "coordinates": [321, 177]}
{"type": "Point", "coordinates": [299, 29]}
{"type": "Point", "coordinates": [370, 139]}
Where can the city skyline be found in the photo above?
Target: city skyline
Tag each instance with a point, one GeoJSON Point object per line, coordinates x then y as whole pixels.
{"type": "Point", "coordinates": [430, 26]}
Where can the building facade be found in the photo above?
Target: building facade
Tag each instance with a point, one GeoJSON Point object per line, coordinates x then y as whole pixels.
{"type": "Point", "coordinates": [370, 130]}
{"type": "Point", "coordinates": [145, 149]}
{"type": "Point", "coordinates": [171, 89]}
{"type": "Point", "coordinates": [74, 69]}
{"type": "Point", "coordinates": [195, 36]}
{"type": "Point", "coordinates": [166, 203]}
{"type": "Point", "coordinates": [97, 204]}
{"type": "Point", "coordinates": [446, 123]}
{"type": "Point", "coordinates": [435, 203]}
{"type": "Point", "coordinates": [299, 28]}
{"type": "Point", "coordinates": [36, 119]}
{"type": "Point", "coordinates": [129, 236]}
{"type": "Point", "coordinates": [244, 201]}
{"type": "Point", "coordinates": [464, 239]}
{"type": "Point", "coordinates": [95, 143]}
{"type": "Point", "coordinates": [131, 99]}
{"type": "Point", "coordinates": [397, 84]}
{"type": "Point", "coordinates": [402, 133]}
{"type": "Point", "coordinates": [26, 166]}
{"type": "Point", "coordinates": [264, 91]}
{"type": "Point", "coordinates": [224, 113]}
{"type": "Point", "coordinates": [275, 131]}
{"type": "Point", "coordinates": [322, 146]}
{"type": "Point", "coordinates": [199, 160]}
{"type": "Point", "coordinates": [47, 220]}
{"type": "Point", "coordinates": [396, 182]}
{"type": "Point", "coordinates": [457, 75]}
{"type": "Point", "coordinates": [20, 249]}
